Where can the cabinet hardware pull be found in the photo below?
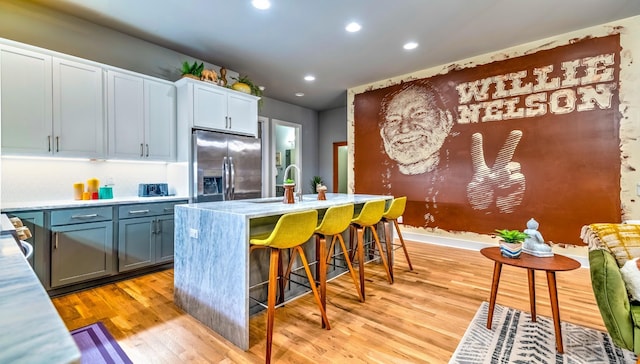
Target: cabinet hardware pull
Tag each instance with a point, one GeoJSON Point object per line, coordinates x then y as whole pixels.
{"type": "Point", "coordinates": [87, 216]}
{"type": "Point", "coordinates": [147, 150]}
{"type": "Point", "coordinates": [134, 212]}
{"type": "Point", "coordinates": [141, 150]}
{"type": "Point", "coordinates": [57, 144]}
{"type": "Point", "coordinates": [55, 245]}
{"type": "Point", "coordinates": [168, 209]}
{"type": "Point", "coordinates": [226, 122]}
{"type": "Point", "coordinates": [49, 142]}
{"type": "Point", "coordinates": [159, 226]}
{"type": "Point", "coordinates": [229, 122]}
{"type": "Point", "coordinates": [153, 227]}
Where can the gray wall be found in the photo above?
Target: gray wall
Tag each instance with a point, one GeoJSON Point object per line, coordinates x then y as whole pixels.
{"type": "Point", "coordinates": [28, 23]}
{"type": "Point", "coordinates": [332, 128]}
{"type": "Point", "coordinates": [308, 119]}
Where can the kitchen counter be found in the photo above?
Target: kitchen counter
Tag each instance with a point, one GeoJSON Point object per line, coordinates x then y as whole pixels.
{"type": "Point", "coordinates": [60, 204]}
{"type": "Point", "coordinates": [32, 330]}
{"type": "Point", "coordinates": [213, 272]}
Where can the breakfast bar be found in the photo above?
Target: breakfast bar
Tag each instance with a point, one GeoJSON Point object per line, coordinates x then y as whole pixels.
{"type": "Point", "coordinates": [213, 273]}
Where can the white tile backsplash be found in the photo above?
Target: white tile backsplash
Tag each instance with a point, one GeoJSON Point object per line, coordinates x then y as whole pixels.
{"type": "Point", "coordinates": [27, 180]}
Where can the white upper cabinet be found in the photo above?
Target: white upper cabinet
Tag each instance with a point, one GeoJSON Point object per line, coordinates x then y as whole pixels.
{"type": "Point", "coordinates": [25, 102]}
{"type": "Point", "coordinates": [125, 110]}
{"type": "Point", "coordinates": [160, 120]}
{"type": "Point", "coordinates": [50, 106]}
{"type": "Point", "coordinates": [78, 110]}
{"type": "Point", "coordinates": [203, 105]}
{"type": "Point", "coordinates": [141, 117]}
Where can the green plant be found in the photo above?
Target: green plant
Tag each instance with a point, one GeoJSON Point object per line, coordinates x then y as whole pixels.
{"type": "Point", "coordinates": [315, 181]}
{"type": "Point", "coordinates": [512, 236]}
{"type": "Point", "coordinates": [255, 90]}
{"type": "Point", "coordinates": [289, 181]}
{"type": "Point", "coordinates": [192, 69]}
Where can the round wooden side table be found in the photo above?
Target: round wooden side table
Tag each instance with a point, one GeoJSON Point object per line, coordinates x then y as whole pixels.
{"type": "Point", "coordinates": [550, 265]}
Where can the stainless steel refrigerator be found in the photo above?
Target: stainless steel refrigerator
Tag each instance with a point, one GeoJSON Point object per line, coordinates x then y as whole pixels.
{"type": "Point", "coordinates": [224, 167]}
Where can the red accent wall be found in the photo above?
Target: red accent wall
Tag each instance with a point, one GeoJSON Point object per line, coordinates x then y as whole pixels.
{"type": "Point", "coordinates": [491, 146]}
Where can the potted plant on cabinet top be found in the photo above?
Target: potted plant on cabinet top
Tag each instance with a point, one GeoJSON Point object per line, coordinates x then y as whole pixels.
{"type": "Point", "coordinates": [244, 84]}
{"type": "Point", "coordinates": [192, 70]}
{"type": "Point", "coordinates": [511, 242]}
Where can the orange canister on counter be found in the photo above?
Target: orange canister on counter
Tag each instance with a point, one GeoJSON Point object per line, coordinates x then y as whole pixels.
{"type": "Point", "coordinates": [92, 185]}
{"type": "Point", "coordinates": [78, 190]}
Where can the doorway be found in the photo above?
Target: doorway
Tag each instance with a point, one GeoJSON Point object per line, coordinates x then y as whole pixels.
{"type": "Point", "coordinates": [286, 150]}
{"type": "Point", "coordinates": [340, 167]}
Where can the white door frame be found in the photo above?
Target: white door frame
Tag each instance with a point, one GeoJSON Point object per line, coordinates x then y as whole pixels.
{"type": "Point", "coordinates": [272, 151]}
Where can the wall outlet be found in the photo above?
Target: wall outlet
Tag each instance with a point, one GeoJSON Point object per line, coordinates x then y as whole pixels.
{"type": "Point", "coordinates": [193, 233]}
{"type": "Point", "coordinates": [109, 181]}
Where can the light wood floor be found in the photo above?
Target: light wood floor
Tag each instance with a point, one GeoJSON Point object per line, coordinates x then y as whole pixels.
{"type": "Point", "coordinates": [419, 319]}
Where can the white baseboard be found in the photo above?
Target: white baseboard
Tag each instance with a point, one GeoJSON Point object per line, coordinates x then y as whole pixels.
{"type": "Point", "coordinates": [468, 244]}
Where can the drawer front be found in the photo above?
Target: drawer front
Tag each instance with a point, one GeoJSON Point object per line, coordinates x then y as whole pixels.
{"type": "Point", "coordinates": [147, 209]}
{"type": "Point", "coordinates": [81, 215]}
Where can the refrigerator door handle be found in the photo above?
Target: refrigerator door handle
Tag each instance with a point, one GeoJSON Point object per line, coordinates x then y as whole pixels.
{"type": "Point", "coordinates": [233, 178]}
{"type": "Point", "coordinates": [225, 179]}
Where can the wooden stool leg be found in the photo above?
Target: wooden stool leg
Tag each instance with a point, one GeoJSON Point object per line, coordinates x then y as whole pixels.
{"type": "Point", "coordinates": [321, 271]}
{"type": "Point", "coordinates": [281, 283]}
{"type": "Point", "coordinates": [292, 259]}
{"type": "Point", "coordinates": [271, 299]}
{"type": "Point", "coordinates": [389, 244]}
{"type": "Point", "coordinates": [351, 270]}
{"type": "Point", "coordinates": [303, 258]}
{"type": "Point", "coordinates": [360, 248]}
{"type": "Point", "coordinates": [384, 260]}
{"type": "Point", "coordinates": [404, 247]}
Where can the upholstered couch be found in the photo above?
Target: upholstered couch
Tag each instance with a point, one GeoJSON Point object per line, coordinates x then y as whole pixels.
{"type": "Point", "coordinates": [620, 315]}
{"type": "Point", "coordinates": [610, 246]}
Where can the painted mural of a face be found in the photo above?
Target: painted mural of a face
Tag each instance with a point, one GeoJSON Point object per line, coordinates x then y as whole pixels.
{"type": "Point", "coordinates": [414, 125]}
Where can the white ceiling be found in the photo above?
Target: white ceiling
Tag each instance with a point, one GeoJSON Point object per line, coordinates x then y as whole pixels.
{"type": "Point", "coordinates": [276, 48]}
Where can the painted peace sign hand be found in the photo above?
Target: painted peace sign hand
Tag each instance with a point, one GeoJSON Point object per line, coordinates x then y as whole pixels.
{"type": "Point", "coordinates": [503, 182]}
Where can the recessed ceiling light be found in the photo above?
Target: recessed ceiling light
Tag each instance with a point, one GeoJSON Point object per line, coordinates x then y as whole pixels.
{"type": "Point", "coordinates": [299, 94]}
{"type": "Point", "coordinates": [261, 4]}
{"type": "Point", "coordinates": [309, 78]}
{"type": "Point", "coordinates": [410, 45]}
{"type": "Point", "coordinates": [353, 27]}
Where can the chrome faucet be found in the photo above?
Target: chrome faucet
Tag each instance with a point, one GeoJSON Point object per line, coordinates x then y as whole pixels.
{"type": "Point", "coordinates": [298, 182]}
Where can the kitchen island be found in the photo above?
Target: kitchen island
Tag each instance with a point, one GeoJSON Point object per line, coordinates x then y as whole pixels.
{"type": "Point", "coordinates": [32, 330]}
{"type": "Point", "coordinates": [213, 272]}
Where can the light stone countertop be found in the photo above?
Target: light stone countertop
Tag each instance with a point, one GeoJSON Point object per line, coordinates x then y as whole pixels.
{"type": "Point", "coordinates": [212, 267]}
{"type": "Point", "coordinates": [61, 204]}
{"type": "Point", "coordinates": [32, 330]}
{"type": "Point", "coordinates": [262, 207]}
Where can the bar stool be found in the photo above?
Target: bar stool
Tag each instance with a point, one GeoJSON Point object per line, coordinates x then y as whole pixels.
{"type": "Point", "coordinates": [291, 231]}
{"type": "Point", "coordinates": [395, 210]}
{"type": "Point", "coordinates": [369, 217]}
{"type": "Point", "coordinates": [335, 220]}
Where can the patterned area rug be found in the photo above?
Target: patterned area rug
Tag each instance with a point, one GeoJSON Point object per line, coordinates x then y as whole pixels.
{"type": "Point", "coordinates": [98, 346]}
{"type": "Point", "coordinates": [515, 339]}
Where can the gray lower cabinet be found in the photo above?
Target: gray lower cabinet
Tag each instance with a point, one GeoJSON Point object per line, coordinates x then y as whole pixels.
{"type": "Point", "coordinates": [145, 235]}
{"type": "Point", "coordinates": [81, 245]}
{"type": "Point", "coordinates": [34, 220]}
{"type": "Point", "coordinates": [164, 244]}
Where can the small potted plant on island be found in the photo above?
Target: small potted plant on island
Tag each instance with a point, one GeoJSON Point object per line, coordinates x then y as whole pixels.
{"type": "Point", "coordinates": [289, 185]}
{"type": "Point", "coordinates": [511, 242]}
